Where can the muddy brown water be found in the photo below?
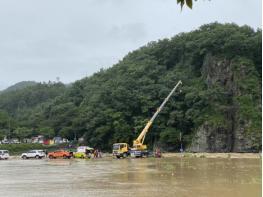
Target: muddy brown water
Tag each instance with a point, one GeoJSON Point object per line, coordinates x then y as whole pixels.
{"type": "Point", "coordinates": [131, 177]}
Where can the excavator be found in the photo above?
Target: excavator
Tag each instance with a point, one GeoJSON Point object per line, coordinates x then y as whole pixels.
{"type": "Point", "coordinates": [139, 149]}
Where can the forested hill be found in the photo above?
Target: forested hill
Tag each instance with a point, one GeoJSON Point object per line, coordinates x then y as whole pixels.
{"type": "Point", "coordinates": [20, 85]}
{"type": "Point", "coordinates": [218, 110]}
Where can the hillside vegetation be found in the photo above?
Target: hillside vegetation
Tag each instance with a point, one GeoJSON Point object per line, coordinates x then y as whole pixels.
{"type": "Point", "coordinates": [218, 110]}
{"type": "Point", "coordinates": [19, 85]}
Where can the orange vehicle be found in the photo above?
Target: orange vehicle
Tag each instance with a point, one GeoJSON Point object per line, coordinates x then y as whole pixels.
{"type": "Point", "coordinates": [59, 154]}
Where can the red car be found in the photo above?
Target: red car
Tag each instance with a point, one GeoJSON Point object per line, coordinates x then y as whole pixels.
{"type": "Point", "coordinates": [60, 154]}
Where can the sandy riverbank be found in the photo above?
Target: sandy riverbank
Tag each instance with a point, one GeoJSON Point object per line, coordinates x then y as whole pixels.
{"type": "Point", "coordinates": [215, 155]}
{"type": "Point", "coordinates": [194, 155]}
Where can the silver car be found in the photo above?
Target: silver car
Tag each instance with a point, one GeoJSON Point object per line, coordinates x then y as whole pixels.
{"type": "Point", "coordinates": [4, 154]}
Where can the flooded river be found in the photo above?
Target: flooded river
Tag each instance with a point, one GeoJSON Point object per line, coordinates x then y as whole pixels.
{"type": "Point", "coordinates": [131, 177]}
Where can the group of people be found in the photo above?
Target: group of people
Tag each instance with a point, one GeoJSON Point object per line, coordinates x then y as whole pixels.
{"type": "Point", "coordinates": [96, 153]}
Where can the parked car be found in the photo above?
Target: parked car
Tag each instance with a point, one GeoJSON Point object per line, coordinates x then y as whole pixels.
{"type": "Point", "coordinates": [60, 154]}
{"type": "Point", "coordinates": [4, 154]}
{"type": "Point", "coordinates": [83, 152]}
{"type": "Point", "coordinates": [79, 155]}
{"type": "Point", "coordinates": [5, 141]}
{"type": "Point", "coordinates": [38, 154]}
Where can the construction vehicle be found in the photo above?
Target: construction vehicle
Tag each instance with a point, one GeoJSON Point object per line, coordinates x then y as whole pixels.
{"type": "Point", "coordinates": [139, 149]}
{"type": "Point", "coordinates": [121, 150]}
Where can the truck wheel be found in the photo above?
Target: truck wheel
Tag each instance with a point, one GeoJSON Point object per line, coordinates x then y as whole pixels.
{"type": "Point", "coordinates": [125, 155]}
{"type": "Point", "coordinates": [37, 156]}
{"type": "Point", "coordinates": [50, 157]}
{"type": "Point", "coordinates": [145, 154]}
{"type": "Point", "coordinates": [118, 157]}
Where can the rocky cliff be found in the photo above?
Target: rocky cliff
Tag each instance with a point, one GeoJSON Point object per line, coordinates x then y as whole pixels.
{"type": "Point", "coordinates": [237, 80]}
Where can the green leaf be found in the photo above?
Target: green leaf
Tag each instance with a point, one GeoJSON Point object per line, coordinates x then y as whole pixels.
{"type": "Point", "coordinates": [189, 3]}
{"type": "Point", "coordinates": [181, 2]}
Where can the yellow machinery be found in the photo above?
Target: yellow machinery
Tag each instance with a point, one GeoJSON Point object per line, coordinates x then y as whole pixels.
{"type": "Point", "coordinates": [139, 149]}
{"type": "Point", "coordinates": [120, 150]}
{"type": "Point", "coordinates": [83, 152]}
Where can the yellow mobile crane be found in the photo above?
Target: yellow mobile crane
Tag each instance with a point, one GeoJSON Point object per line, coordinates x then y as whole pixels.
{"type": "Point", "coordinates": [139, 149]}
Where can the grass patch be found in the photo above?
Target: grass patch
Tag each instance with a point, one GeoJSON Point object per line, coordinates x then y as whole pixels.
{"type": "Point", "coordinates": [17, 149]}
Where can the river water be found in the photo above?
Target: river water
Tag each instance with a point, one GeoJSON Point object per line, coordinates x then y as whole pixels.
{"type": "Point", "coordinates": [131, 177]}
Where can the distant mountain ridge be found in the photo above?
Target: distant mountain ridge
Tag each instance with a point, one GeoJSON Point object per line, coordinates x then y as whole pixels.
{"type": "Point", "coordinates": [19, 86]}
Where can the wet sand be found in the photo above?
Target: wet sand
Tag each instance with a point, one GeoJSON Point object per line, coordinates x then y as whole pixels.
{"type": "Point", "coordinates": [215, 155]}
{"type": "Point", "coordinates": [168, 176]}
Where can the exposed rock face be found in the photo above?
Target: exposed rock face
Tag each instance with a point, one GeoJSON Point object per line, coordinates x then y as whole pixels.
{"type": "Point", "coordinates": [232, 135]}
{"type": "Point", "coordinates": [218, 72]}
{"type": "Point", "coordinates": [220, 139]}
{"type": "Point", "coordinates": [242, 141]}
{"type": "Point", "coordinates": [210, 139]}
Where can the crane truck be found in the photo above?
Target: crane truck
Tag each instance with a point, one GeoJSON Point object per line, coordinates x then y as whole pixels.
{"type": "Point", "coordinates": [139, 149]}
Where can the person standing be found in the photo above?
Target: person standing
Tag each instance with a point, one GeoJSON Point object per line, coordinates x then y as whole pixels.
{"type": "Point", "coordinates": [158, 153]}
{"type": "Point", "coordinates": [46, 152]}
{"type": "Point", "coordinates": [99, 153]}
{"type": "Point", "coordinates": [95, 153]}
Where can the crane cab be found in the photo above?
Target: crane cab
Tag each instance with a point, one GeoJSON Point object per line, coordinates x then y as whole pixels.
{"type": "Point", "coordinates": [120, 150]}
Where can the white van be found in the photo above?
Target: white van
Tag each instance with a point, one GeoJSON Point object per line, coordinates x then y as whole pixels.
{"type": "Point", "coordinates": [4, 154]}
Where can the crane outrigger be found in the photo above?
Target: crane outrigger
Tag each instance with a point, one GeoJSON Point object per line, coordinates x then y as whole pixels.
{"type": "Point", "coordinates": [139, 149]}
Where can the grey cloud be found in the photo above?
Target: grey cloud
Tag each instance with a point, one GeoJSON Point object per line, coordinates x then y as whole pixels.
{"type": "Point", "coordinates": [130, 32]}
{"type": "Point", "coordinates": [40, 40]}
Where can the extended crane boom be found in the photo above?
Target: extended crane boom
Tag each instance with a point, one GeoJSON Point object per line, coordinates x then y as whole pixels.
{"type": "Point", "coordinates": [138, 143]}
{"type": "Point", "coordinates": [139, 149]}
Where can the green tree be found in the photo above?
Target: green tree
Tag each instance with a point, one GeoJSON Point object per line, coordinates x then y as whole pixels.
{"type": "Point", "coordinates": [48, 132]}
{"type": "Point", "coordinates": [22, 132]}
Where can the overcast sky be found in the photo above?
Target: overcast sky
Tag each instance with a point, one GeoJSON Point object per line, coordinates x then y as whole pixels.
{"type": "Point", "coordinates": [42, 40]}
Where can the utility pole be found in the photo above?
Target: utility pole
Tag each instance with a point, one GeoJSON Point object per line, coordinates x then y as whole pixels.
{"type": "Point", "coordinates": [181, 148]}
{"type": "Point", "coordinates": [75, 135]}
{"type": "Point", "coordinates": [9, 128]}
